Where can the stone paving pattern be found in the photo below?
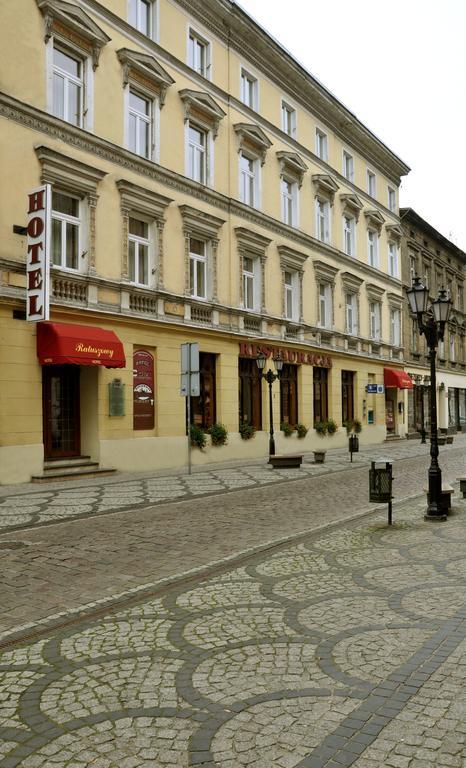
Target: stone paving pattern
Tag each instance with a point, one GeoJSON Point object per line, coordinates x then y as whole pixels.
{"type": "Point", "coordinates": [345, 648]}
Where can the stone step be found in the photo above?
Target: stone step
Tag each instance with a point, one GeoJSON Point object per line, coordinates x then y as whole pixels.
{"type": "Point", "coordinates": [73, 461]}
{"type": "Point", "coordinates": [72, 473]}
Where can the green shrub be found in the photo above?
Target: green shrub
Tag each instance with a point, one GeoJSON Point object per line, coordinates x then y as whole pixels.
{"type": "Point", "coordinates": [357, 426]}
{"type": "Point", "coordinates": [198, 437]}
{"type": "Point", "coordinates": [286, 428]}
{"type": "Point", "coordinates": [301, 430]}
{"type": "Point", "coordinates": [331, 426]}
{"type": "Point", "coordinates": [218, 434]}
{"type": "Point", "coordinates": [247, 431]}
{"type": "Point", "coordinates": [348, 425]}
{"type": "Point", "coordinates": [321, 427]}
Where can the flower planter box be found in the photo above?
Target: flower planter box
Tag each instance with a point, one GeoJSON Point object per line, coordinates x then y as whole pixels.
{"type": "Point", "coordinates": [319, 457]}
{"type": "Point", "coordinates": [289, 460]}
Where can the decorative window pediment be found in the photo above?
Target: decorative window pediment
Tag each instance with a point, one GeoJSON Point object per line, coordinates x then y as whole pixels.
{"type": "Point", "coordinates": [202, 107]}
{"type": "Point", "coordinates": [395, 301]}
{"type": "Point", "coordinates": [351, 204]}
{"type": "Point", "coordinates": [69, 22]}
{"type": "Point", "coordinates": [394, 232]}
{"type": "Point", "coordinates": [250, 242]}
{"type": "Point", "coordinates": [351, 283]}
{"type": "Point", "coordinates": [68, 174]}
{"type": "Point", "coordinates": [325, 186]}
{"type": "Point", "coordinates": [374, 292]}
{"type": "Point", "coordinates": [144, 70]}
{"type": "Point", "coordinates": [200, 223]}
{"type": "Point", "coordinates": [251, 138]}
{"type": "Point", "coordinates": [291, 259]}
{"type": "Point", "coordinates": [145, 201]}
{"type": "Point", "coordinates": [324, 272]}
{"type": "Point", "coordinates": [292, 165]}
{"type": "Point", "coordinates": [374, 219]}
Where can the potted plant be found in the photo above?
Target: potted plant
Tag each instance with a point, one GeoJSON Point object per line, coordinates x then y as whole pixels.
{"type": "Point", "coordinates": [286, 428]}
{"type": "Point", "coordinates": [197, 436]}
{"type": "Point", "coordinates": [331, 427]}
{"type": "Point", "coordinates": [321, 428]}
{"type": "Point", "coordinates": [357, 426]}
{"type": "Point", "coordinates": [247, 431]}
{"type": "Point", "coordinates": [218, 434]}
{"type": "Point", "coordinates": [301, 430]}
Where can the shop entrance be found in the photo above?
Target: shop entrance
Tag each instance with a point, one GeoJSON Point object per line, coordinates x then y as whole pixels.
{"type": "Point", "coordinates": [61, 413]}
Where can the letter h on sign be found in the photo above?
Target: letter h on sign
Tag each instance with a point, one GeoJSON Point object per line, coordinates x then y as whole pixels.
{"type": "Point", "coordinates": [38, 253]}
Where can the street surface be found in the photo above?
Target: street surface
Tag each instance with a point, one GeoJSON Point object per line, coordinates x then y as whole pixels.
{"type": "Point", "coordinates": [234, 627]}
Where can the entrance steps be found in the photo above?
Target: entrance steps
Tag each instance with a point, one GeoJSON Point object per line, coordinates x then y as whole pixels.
{"type": "Point", "coordinates": [73, 468]}
{"type": "Point", "coordinates": [394, 439]}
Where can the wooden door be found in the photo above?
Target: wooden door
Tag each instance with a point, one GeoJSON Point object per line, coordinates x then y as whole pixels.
{"type": "Point", "coordinates": [61, 411]}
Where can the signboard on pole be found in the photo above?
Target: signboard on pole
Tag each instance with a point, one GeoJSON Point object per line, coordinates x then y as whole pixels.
{"type": "Point", "coordinates": [38, 253]}
{"type": "Point", "coordinates": [190, 376]}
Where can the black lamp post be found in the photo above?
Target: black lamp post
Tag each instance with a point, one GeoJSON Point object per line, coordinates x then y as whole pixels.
{"type": "Point", "coordinates": [270, 377]}
{"type": "Point", "coordinates": [431, 323]}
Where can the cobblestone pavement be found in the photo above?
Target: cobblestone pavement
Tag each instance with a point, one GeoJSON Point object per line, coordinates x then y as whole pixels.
{"type": "Point", "coordinates": [346, 648]}
{"type": "Point", "coordinates": [31, 506]}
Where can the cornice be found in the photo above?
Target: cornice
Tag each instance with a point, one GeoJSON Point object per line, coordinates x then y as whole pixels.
{"type": "Point", "coordinates": [51, 126]}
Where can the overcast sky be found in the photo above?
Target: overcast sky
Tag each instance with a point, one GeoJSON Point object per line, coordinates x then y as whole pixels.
{"type": "Point", "coordinates": [400, 66]}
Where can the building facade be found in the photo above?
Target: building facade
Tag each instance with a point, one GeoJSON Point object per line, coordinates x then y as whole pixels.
{"type": "Point", "coordinates": [205, 188]}
{"type": "Point", "coordinates": [440, 264]}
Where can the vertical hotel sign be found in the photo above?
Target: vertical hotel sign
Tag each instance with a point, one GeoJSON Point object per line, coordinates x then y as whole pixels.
{"type": "Point", "coordinates": [38, 253]}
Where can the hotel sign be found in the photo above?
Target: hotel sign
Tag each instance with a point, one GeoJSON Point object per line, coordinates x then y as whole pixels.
{"type": "Point", "coordinates": [38, 253]}
{"type": "Point", "coordinates": [287, 355]}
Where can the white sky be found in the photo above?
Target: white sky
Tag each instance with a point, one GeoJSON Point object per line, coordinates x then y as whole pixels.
{"type": "Point", "coordinates": [400, 67]}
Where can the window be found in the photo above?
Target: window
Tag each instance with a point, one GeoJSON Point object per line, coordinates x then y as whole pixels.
{"type": "Point", "coordinates": [68, 86]}
{"type": "Point", "coordinates": [414, 336]}
{"type": "Point", "coordinates": [291, 295]}
{"type": "Point", "coordinates": [65, 231]}
{"type": "Point", "coordinates": [203, 408]}
{"type": "Point", "coordinates": [250, 393]}
{"type": "Point", "coordinates": [321, 144]}
{"type": "Point", "coordinates": [141, 16]}
{"type": "Point", "coordinates": [320, 382]}
{"type": "Point", "coordinates": [348, 166]}
{"type": "Point", "coordinates": [374, 320]}
{"type": "Point", "coordinates": [249, 89]}
{"type": "Point", "coordinates": [199, 54]}
{"type": "Point", "coordinates": [289, 394]}
{"type": "Point", "coordinates": [139, 247]}
{"type": "Point", "coordinates": [352, 314]}
{"type": "Point", "coordinates": [289, 194]}
{"type": "Point", "coordinates": [289, 119]}
{"type": "Point", "coordinates": [395, 327]}
{"type": "Point", "coordinates": [391, 199]}
{"type": "Point", "coordinates": [139, 124]}
{"type": "Point", "coordinates": [373, 248]}
{"type": "Point", "coordinates": [349, 235]}
{"type": "Point", "coordinates": [249, 282]}
{"type": "Point", "coordinates": [323, 220]}
{"type": "Point", "coordinates": [347, 396]}
{"type": "Point", "coordinates": [392, 260]}
{"type": "Point", "coordinates": [325, 305]}
{"type": "Point", "coordinates": [452, 348]}
{"type": "Point", "coordinates": [198, 268]}
{"type": "Point", "coordinates": [248, 180]}
{"type": "Point", "coordinates": [197, 153]}
{"type": "Point", "coordinates": [371, 183]}
{"type": "Point", "coordinates": [441, 350]}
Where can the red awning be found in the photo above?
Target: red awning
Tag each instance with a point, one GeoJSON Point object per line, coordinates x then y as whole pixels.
{"type": "Point", "coordinates": [60, 343]}
{"type": "Point", "coordinates": [393, 377]}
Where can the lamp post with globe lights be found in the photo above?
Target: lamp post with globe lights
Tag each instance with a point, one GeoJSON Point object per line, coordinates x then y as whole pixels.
{"type": "Point", "coordinates": [270, 377]}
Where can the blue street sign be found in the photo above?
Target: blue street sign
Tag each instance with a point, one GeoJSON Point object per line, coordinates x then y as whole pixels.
{"type": "Point", "coordinates": [375, 389]}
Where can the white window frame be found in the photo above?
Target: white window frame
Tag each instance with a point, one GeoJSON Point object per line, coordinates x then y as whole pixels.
{"type": "Point", "coordinates": [325, 306]}
{"type": "Point", "coordinates": [371, 181]}
{"type": "Point", "coordinates": [375, 314]}
{"type": "Point", "coordinates": [286, 198]}
{"type": "Point", "coordinates": [253, 176]}
{"type": "Point", "coordinates": [252, 278]}
{"type": "Point", "coordinates": [348, 165]}
{"type": "Point", "coordinates": [452, 349]}
{"type": "Point", "coordinates": [393, 267]}
{"type": "Point", "coordinates": [152, 34]}
{"type": "Point", "coordinates": [395, 327]}
{"type": "Point", "coordinates": [291, 295]}
{"type": "Point", "coordinates": [77, 221]}
{"type": "Point", "coordinates": [197, 258]}
{"type": "Point", "coordinates": [323, 220]}
{"type": "Point", "coordinates": [87, 98]}
{"type": "Point", "coordinates": [206, 44]}
{"type": "Point", "coordinates": [245, 75]}
{"type": "Point", "coordinates": [321, 144]}
{"type": "Point", "coordinates": [391, 199]}
{"type": "Point", "coordinates": [141, 241]}
{"type": "Point", "coordinates": [441, 349]}
{"type": "Point", "coordinates": [152, 120]}
{"type": "Point", "coordinates": [208, 152]}
{"type": "Point", "coordinates": [373, 245]}
{"type": "Point", "coordinates": [286, 110]}
{"type": "Point", "coordinates": [351, 313]}
{"type": "Point", "coordinates": [349, 235]}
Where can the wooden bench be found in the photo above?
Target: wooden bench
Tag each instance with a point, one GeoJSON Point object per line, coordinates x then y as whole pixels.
{"type": "Point", "coordinates": [462, 482]}
{"type": "Point", "coordinates": [445, 496]}
{"type": "Point", "coordinates": [287, 460]}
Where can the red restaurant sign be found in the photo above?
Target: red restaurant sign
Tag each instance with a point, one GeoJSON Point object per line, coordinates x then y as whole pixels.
{"type": "Point", "coordinates": [287, 355]}
{"type": "Point", "coordinates": [38, 250]}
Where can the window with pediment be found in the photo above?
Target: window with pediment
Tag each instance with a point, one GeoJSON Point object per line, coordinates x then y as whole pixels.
{"type": "Point", "coordinates": [202, 116]}
{"type": "Point", "coordinates": [201, 232]}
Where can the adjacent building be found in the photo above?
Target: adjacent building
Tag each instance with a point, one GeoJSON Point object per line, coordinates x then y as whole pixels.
{"type": "Point", "coordinates": [204, 188]}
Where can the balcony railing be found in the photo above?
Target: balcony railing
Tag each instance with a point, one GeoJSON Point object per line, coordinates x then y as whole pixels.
{"type": "Point", "coordinates": [67, 289]}
{"type": "Point", "coordinates": [139, 302]}
{"type": "Point", "coordinates": [202, 315]}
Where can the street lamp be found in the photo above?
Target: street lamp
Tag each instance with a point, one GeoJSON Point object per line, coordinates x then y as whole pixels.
{"type": "Point", "coordinates": [431, 323]}
{"type": "Point", "coordinates": [270, 377]}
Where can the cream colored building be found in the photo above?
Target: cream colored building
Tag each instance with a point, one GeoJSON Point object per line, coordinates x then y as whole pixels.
{"type": "Point", "coordinates": [206, 188]}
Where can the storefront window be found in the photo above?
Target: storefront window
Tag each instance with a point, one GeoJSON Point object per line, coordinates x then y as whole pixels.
{"type": "Point", "coordinates": [250, 393]}
{"type": "Point", "coordinates": [289, 395]}
{"type": "Point", "coordinates": [203, 408]}
{"type": "Point", "coordinates": [347, 396]}
{"type": "Point", "coordinates": [320, 394]}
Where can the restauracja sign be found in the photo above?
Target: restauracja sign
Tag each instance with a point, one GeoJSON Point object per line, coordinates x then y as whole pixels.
{"type": "Point", "coordinates": [287, 355]}
{"type": "Point", "coordinates": [38, 254]}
